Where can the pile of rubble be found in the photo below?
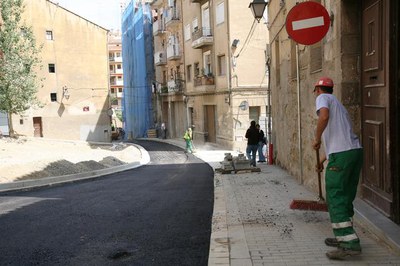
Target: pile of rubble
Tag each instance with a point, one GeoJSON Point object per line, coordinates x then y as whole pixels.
{"type": "Point", "coordinates": [237, 164]}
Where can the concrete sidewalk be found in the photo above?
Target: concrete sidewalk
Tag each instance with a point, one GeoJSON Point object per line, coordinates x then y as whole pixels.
{"type": "Point", "coordinates": [253, 224]}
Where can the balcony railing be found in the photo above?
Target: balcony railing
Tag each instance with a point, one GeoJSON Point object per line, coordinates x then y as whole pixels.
{"type": "Point", "coordinates": [116, 82]}
{"type": "Point", "coordinates": [115, 59]}
{"type": "Point", "coordinates": [160, 58]}
{"type": "Point", "coordinates": [158, 27]}
{"type": "Point", "coordinates": [175, 85]}
{"type": "Point", "coordinates": [202, 37]}
{"type": "Point", "coordinates": [173, 52]}
{"type": "Point", "coordinates": [204, 81]}
{"type": "Point", "coordinates": [172, 16]}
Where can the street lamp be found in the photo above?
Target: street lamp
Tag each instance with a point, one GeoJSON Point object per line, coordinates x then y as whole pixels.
{"type": "Point", "coordinates": [258, 7]}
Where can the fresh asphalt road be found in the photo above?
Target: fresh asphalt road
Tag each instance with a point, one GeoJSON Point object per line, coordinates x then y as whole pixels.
{"type": "Point", "coordinates": [158, 214]}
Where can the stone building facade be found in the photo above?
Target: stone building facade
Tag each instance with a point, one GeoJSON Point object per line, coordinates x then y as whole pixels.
{"type": "Point", "coordinates": [221, 70]}
{"type": "Point", "coordinates": [75, 88]}
{"type": "Point", "coordinates": [360, 53]}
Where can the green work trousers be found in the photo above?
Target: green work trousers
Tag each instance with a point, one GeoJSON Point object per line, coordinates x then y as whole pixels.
{"type": "Point", "coordinates": [341, 180]}
{"type": "Point", "coordinates": [189, 146]}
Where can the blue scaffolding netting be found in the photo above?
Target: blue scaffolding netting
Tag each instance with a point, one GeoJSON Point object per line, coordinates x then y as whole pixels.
{"type": "Point", "coordinates": [138, 67]}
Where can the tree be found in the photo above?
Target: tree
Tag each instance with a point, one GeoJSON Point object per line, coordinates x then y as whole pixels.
{"type": "Point", "coordinates": [19, 61]}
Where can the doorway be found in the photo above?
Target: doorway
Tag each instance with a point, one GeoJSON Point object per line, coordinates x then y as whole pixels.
{"type": "Point", "coordinates": [378, 107]}
{"type": "Point", "coordinates": [209, 124]}
{"type": "Point", "coordinates": [37, 127]}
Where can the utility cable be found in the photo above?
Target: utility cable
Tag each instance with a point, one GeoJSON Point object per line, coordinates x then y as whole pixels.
{"type": "Point", "coordinates": [249, 35]}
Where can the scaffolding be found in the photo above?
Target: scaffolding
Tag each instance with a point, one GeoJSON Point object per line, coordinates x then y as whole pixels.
{"type": "Point", "coordinates": [137, 54]}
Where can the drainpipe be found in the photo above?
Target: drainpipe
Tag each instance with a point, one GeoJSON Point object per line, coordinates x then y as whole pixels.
{"type": "Point", "coordinates": [270, 145]}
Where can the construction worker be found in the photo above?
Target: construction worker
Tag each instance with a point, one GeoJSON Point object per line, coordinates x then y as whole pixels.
{"type": "Point", "coordinates": [345, 155]}
{"type": "Point", "coordinates": [188, 136]}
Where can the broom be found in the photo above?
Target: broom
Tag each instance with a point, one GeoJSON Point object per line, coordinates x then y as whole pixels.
{"type": "Point", "coordinates": [312, 205]}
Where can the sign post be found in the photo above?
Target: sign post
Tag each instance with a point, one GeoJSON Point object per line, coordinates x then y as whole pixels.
{"type": "Point", "coordinates": [306, 23]}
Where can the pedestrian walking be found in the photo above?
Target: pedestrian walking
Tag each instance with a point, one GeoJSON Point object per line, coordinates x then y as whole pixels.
{"type": "Point", "coordinates": [252, 143]}
{"type": "Point", "coordinates": [261, 143]}
{"type": "Point", "coordinates": [163, 131]}
{"type": "Point", "coordinates": [344, 154]}
{"type": "Point", "coordinates": [188, 137]}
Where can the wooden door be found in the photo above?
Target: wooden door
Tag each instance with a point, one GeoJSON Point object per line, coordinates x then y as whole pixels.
{"type": "Point", "coordinates": [37, 127]}
{"type": "Point", "coordinates": [377, 179]}
{"type": "Point", "coordinates": [209, 120]}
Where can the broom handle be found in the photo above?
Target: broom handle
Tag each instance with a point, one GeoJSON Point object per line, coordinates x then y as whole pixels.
{"type": "Point", "coordinates": [319, 176]}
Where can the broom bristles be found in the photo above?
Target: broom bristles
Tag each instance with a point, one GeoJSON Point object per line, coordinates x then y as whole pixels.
{"type": "Point", "coordinates": [309, 205]}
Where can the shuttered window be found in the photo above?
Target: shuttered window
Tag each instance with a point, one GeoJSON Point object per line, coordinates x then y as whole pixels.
{"type": "Point", "coordinates": [316, 57]}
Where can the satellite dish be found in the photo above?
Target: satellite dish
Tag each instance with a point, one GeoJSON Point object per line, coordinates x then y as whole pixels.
{"type": "Point", "coordinates": [244, 105]}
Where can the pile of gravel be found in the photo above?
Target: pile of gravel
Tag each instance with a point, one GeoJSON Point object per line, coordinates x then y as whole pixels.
{"type": "Point", "coordinates": [64, 167]}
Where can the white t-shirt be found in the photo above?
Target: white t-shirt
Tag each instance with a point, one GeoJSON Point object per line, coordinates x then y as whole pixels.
{"type": "Point", "coordinates": [338, 135]}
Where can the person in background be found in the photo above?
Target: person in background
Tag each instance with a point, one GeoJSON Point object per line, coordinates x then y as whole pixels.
{"type": "Point", "coordinates": [252, 143]}
{"type": "Point", "coordinates": [163, 131]}
{"type": "Point", "coordinates": [188, 137]}
{"type": "Point", "coordinates": [345, 158]}
{"type": "Point", "coordinates": [261, 143]}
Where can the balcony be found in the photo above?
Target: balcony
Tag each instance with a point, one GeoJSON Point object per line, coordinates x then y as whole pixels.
{"type": "Point", "coordinates": [206, 81]}
{"type": "Point", "coordinates": [173, 17]}
{"type": "Point", "coordinates": [115, 59]}
{"type": "Point", "coordinates": [116, 71]}
{"type": "Point", "coordinates": [175, 86]}
{"type": "Point", "coordinates": [116, 82]}
{"type": "Point", "coordinates": [202, 37]}
{"type": "Point", "coordinates": [160, 58]}
{"type": "Point", "coordinates": [158, 27]}
{"type": "Point", "coordinates": [173, 52]}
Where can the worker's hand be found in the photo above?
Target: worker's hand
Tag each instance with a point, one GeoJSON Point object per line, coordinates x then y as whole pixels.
{"type": "Point", "coordinates": [316, 144]}
{"type": "Point", "coordinates": [319, 167]}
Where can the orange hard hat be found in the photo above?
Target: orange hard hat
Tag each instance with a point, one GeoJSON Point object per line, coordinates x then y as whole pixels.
{"type": "Point", "coordinates": [325, 82]}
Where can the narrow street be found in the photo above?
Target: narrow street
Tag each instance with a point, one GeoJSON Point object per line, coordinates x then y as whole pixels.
{"type": "Point", "coordinates": [158, 214]}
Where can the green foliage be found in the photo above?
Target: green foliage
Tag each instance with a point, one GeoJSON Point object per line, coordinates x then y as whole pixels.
{"type": "Point", "coordinates": [118, 113]}
{"type": "Point", "coordinates": [19, 60]}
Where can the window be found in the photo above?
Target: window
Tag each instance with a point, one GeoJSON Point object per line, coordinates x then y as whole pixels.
{"type": "Point", "coordinates": [53, 97]}
{"type": "Point", "coordinates": [52, 68]}
{"type": "Point", "coordinates": [118, 54]}
{"type": "Point", "coordinates": [187, 32]}
{"type": "Point", "coordinates": [316, 55]}
{"type": "Point", "coordinates": [119, 89]}
{"type": "Point", "coordinates": [119, 66]}
{"type": "Point", "coordinates": [49, 35]}
{"type": "Point", "coordinates": [195, 25]}
{"type": "Point", "coordinates": [220, 14]}
{"type": "Point", "coordinates": [196, 69]}
{"type": "Point", "coordinates": [164, 76]}
{"type": "Point", "coordinates": [207, 63]}
{"type": "Point", "coordinates": [112, 90]}
{"type": "Point", "coordinates": [254, 113]}
{"type": "Point", "coordinates": [221, 65]}
{"type": "Point", "coordinates": [189, 72]}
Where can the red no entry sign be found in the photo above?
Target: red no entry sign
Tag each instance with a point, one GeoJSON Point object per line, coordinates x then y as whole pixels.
{"type": "Point", "coordinates": [307, 22]}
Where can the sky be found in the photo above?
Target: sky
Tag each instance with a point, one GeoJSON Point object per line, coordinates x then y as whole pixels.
{"type": "Point", "coordinates": [105, 13]}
